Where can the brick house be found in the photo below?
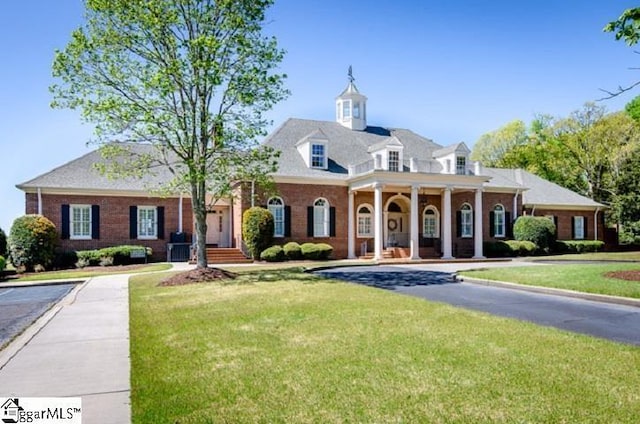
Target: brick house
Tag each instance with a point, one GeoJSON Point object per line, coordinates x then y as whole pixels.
{"type": "Point", "coordinates": [366, 190]}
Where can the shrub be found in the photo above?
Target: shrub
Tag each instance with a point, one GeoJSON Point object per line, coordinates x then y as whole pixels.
{"type": "Point", "coordinates": [32, 241]}
{"type": "Point", "coordinates": [116, 255]}
{"type": "Point", "coordinates": [316, 251]}
{"type": "Point", "coordinates": [257, 230]}
{"type": "Point", "coordinates": [3, 263]}
{"type": "Point", "coordinates": [292, 251]}
{"type": "Point", "coordinates": [497, 249]}
{"type": "Point", "coordinates": [3, 243]}
{"type": "Point", "coordinates": [578, 246]}
{"type": "Point", "coordinates": [522, 247]}
{"type": "Point", "coordinates": [65, 259]}
{"type": "Point", "coordinates": [536, 229]}
{"type": "Point", "coordinates": [273, 254]}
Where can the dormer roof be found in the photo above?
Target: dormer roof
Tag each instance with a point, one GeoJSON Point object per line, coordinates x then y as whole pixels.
{"type": "Point", "coordinates": [454, 148]}
{"type": "Point", "coordinates": [317, 134]}
{"type": "Point", "coordinates": [388, 142]}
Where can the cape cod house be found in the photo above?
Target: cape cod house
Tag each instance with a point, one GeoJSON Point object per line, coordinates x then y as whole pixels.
{"type": "Point", "coordinates": [366, 190]}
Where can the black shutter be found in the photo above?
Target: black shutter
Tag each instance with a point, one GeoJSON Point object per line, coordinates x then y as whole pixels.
{"type": "Point", "coordinates": [64, 227]}
{"type": "Point", "coordinates": [586, 227]}
{"type": "Point", "coordinates": [332, 221]}
{"type": "Point", "coordinates": [573, 227]}
{"type": "Point", "coordinates": [160, 215]}
{"type": "Point", "coordinates": [133, 222]}
{"type": "Point", "coordinates": [509, 224]}
{"type": "Point", "coordinates": [458, 223]}
{"type": "Point", "coordinates": [555, 222]}
{"type": "Point", "coordinates": [492, 224]}
{"type": "Point", "coordinates": [95, 222]}
{"type": "Point", "coordinates": [287, 221]}
{"type": "Point", "coordinates": [309, 221]}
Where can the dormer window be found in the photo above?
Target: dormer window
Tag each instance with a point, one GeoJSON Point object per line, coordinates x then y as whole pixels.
{"type": "Point", "coordinates": [461, 165]}
{"type": "Point", "coordinates": [318, 156]}
{"type": "Point", "coordinates": [394, 161]}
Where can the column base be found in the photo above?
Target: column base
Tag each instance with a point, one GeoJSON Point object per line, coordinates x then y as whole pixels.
{"type": "Point", "coordinates": [447, 257]}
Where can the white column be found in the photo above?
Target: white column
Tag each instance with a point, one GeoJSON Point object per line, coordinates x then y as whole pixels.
{"type": "Point", "coordinates": [446, 225]}
{"type": "Point", "coordinates": [415, 242]}
{"type": "Point", "coordinates": [351, 239]}
{"type": "Point", "coordinates": [377, 232]}
{"type": "Point", "coordinates": [515, 206]}
{"type": "Point", "coordinates": [477, 226]}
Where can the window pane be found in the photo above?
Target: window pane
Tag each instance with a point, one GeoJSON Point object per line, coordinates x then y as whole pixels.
{"type": "Point", "coordinates": [461, 165]}
{"type": "Point", "coordinates": [81, 221]}
{"type": "Point", "coordinates": [146, 222]}
{"type": "Point", "coordinates": [317, 156]}
{"type": "Point", "coordinates": [394, 161]}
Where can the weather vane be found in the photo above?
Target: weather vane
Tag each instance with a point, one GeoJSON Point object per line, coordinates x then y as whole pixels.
{"type": "Point", "coordinates": [350, 74]}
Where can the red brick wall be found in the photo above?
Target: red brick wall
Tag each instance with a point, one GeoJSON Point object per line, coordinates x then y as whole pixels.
{"type": "Point", "coordinates": [564, 222]}
{"type": "Point", "coordinates": [114, 219]}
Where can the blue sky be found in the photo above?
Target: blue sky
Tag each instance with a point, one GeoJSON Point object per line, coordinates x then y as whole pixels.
{"type": "Point", "coordinates": [450, 70]}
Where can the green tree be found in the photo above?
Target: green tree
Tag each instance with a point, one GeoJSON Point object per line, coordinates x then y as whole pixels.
{"type": "Point", "coordinates": [189, 78]}
{"type": "Point", "coordinates": [492, 146]}
{"type": "Point", "coordinates": [633, 108]}
{"type": "Point", "coordinates": [32, 241]}
{"type": "Point", "coordinates": [627, 28]}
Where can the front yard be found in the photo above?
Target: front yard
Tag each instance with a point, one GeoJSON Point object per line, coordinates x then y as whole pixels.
{"type": "Point", "coordinates": [284, 346]}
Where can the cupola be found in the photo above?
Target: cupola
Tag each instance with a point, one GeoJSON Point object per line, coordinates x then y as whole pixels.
{"type": "Point", "coordinates": [351, 106]}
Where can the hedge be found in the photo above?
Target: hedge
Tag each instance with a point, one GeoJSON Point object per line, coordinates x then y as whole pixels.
{"type": "Point", "coordinates": [578, 246]}
{"type": "Point", "coordinates": [3, 243]}
{"type": "Point", "coordinates": [273, 254]}
{"type": "Point", "coordinates": [116, 255]}
{"type": "Point", "coordinates": [509, 248]}
{"type": "Point", "coordinates": [3, 263]}
{"type": "Point", "coordinates": [316, 251]}
{"type": "Point", "coordinates": [292, 251]}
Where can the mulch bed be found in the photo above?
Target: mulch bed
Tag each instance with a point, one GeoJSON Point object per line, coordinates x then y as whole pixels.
{"type": "Point", "coordinates": [633, 275]}
{"type": "Point", "coordinates": [198, 275]}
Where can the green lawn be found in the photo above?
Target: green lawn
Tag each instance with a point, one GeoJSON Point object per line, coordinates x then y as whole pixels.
{"type": "Point", "coordinates": [283, 346]}
{"type": "Point", "coordinates": [595, 256]}
{"type": "Point", "coordinates": [587, 278]}
{"type": "Point", "coordinates": [71, 274]}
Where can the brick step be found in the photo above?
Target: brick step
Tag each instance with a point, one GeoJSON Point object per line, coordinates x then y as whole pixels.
{"type": "Point", "coordinates": [226, 256]}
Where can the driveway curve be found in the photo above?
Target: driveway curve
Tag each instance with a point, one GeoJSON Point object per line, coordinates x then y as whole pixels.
{"type": "Point", "coordinates": [436, 282]}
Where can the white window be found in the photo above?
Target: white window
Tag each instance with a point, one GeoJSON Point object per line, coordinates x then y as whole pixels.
{"type": "Point", "coordinates": [499, 224]}
{"type": "Point", "coordinates": [578, 227]}
{"type": "Point", "coordinates": [466, 224]}
{"type": "Point", "coordinates": [321, 218]}
{"type": "Point", "coordinates": [365, 221]}
{"type": "Point", "coordinates": [346, 109]}
{"type": "Point", "coordinates": [276, 207]}
{"type": "Point", "coordinates": [430, 223]}
{"type": "Point", "coordinates": [461, 165]}
{"type": "Point", "coordinates": [318, 158]}
{"type": "Point", "coordinates": [80, 222]}
{"type": "Point", "coordinates": [147, 222]}
{"type": "Point", "coordinates": [356, 109]}
{"type": "Point", "coordinates": [394, 161]}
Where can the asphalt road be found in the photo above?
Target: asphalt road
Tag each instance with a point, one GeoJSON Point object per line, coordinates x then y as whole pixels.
{"type": "Point", "coordinates": [614, 322]}
{"type": "Point", "coordinates": [20, 306]}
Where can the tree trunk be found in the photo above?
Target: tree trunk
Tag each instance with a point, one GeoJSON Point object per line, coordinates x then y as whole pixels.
{"type": "Point", "coordinates": [199, 205]}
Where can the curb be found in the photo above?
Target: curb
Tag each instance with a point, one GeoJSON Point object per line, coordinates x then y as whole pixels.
{"type": "Point", "coordinates": [6, 285]}
{"type": "Point", "coordinates": [19, 342]}
{"type": "Point", "coordinates": [553, 291]}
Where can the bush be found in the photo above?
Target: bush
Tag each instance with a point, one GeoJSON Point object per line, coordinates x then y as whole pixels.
{"type": "Point", "coordinates": [273, 254]}
{"type": "Point", "coordinates": [65, 259]}
{"type": "Point", "coordinates": [32, 242]}
{"type": "Point", "coordinates": [3, 263]}
{"type": "Point", "coordinates": [578, 246]}
{"type": "Point", "coordinates": [536, 229]}
{"type": "Point", "coordinates": [522, 247]}
{"type": "Point", "coordinates": [3, 243]}
{"type": "Point", "coordinates": [116, 255]}
{"type": "Point", "coordinates": [257, 230]}
{"type": "Point", "coordinates": [292, 251]}
{"type": "Point", "coordinates": [497, 249]}
{"type": "Point", "coordinates": [316, 251]}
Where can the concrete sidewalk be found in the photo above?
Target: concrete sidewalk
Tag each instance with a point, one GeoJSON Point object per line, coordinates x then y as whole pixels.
{"type": "Point", "coordinates": [80, 348]}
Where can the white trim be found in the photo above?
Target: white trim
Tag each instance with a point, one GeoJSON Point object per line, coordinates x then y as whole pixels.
{"type": "Point", "coordinates": [326, 224]}
{"type": "Point", "coordinates": [371, 215]}
{"type": "Point", "coordinates": [436, 216]}
{"type": "Point", "coordinates": [464, 212]}
{"type": "Point", "coordinates": [154, 236]}
{"type": "Point", "coordinates": [279, 206]}
{"type": "Point", "coordinates": [503, 212]}
{"type": "Point", "coordinates": [72, 207]}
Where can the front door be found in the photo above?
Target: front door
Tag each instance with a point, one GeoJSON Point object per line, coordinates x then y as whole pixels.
{"type": "Point", "coordinates": [396, 226]}
{"type": "Point", "coordinates": [218, 227]}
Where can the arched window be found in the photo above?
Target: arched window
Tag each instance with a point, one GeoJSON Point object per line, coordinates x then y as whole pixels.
{"type": "Point", "coordinates": [276, 207]}
{"type": "Point", "coordinates": [430, 223]}
{"type": "Point", "coordinates": [499, 222]}
{"type": "Point", "coordinates": [365, 221]}
{"type": "Point", "coordinates": [321, 218]}
{"type": "Point", "coordinates": [466, 220]}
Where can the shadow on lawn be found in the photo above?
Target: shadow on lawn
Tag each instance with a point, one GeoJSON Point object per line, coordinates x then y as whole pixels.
{"type": "Point", "coordinates": [391, 280]}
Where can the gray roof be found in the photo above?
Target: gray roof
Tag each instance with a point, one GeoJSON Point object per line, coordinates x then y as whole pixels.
{"type": "Point", "coordinates": [450, 149]}
{"type": "Point", "coordinates": [81, 174]}
{"type": "Point", "coordinates": [538, 191]}
{"type": "Point", "coordinates": [345, 147]}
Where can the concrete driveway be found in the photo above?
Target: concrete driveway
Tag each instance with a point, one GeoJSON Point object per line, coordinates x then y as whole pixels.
{"type": "Point", "coordinates": [436, 282]}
